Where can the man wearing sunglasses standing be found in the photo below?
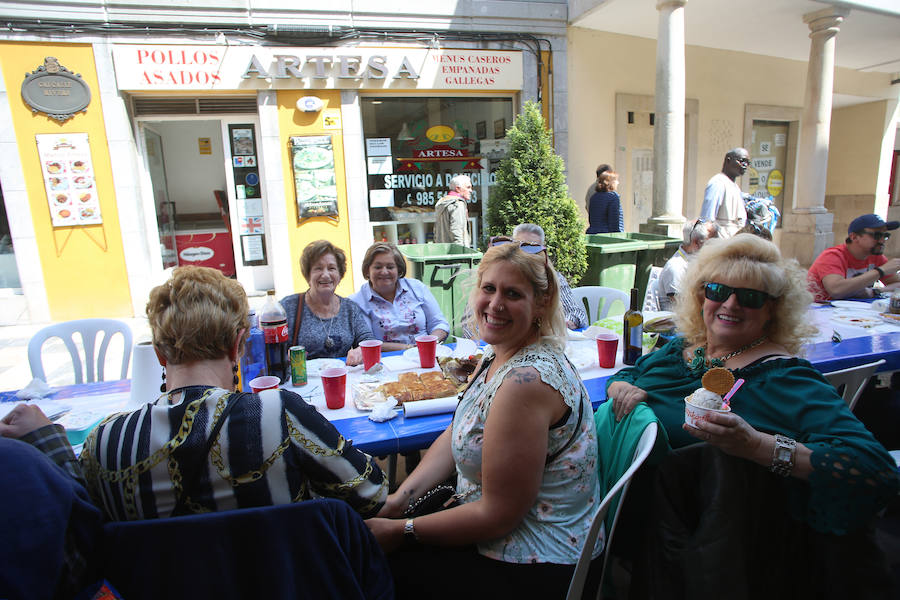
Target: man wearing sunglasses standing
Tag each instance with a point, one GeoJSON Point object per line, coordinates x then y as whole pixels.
{"type": "Point", "coordinates": [722, 200]}
{"type": "Point", "coordinates": [851, 269]}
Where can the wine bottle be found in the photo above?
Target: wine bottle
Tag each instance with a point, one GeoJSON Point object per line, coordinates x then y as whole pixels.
{"type": "Point", "coordinates": [633, 331]}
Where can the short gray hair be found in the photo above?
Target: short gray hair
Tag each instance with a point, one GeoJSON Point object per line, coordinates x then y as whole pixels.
{"type": "Point", "coordinates": [529, 228]}
{"type": "Point", "coordinates": [457, 180]}
{"type": "Point", "coordinates": [698, 230]}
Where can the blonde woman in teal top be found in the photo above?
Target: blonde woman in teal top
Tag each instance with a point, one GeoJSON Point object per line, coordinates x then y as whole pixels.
{"type": "Point", "coordinates": [743, 308]}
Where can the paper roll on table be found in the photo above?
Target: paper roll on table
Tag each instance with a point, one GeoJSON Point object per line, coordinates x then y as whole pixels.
{"type": "Point", "coordinates": [421, 408]}
{"type": "Point", "coordinates": [146, 375]}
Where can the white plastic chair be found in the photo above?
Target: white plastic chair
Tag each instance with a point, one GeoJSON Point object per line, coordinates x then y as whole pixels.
{"type": "Point", "coordinates": [851, 382]}
{"type": "Point", "coordinates": [92, 369]}
{"type": "Point", "coordinates": [651, 298]}
{"type": "Point", "coordinates": [594, 294]}
{"type": "Point", "coordinates": [641, 452]}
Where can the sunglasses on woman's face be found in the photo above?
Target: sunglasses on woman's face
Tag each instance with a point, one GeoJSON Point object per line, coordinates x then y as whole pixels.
{"type": "Point", "coordinates": [746, 297]}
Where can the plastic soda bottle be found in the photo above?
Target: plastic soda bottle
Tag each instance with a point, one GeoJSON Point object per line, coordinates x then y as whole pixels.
{"type": "Point", "coordinates": [273, 322]}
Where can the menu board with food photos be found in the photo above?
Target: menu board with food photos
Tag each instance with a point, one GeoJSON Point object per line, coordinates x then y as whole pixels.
{"type": "Point", "coordinates": [312, 158]}
{"type": "Point", "coordinates": [69, 179]}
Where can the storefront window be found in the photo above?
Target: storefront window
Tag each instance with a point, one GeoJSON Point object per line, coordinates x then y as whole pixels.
{"type": "Point", "coordinates": [414, 146]}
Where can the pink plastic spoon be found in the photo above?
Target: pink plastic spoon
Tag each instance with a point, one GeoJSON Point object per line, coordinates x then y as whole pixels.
{"type": "Point", "coordinates": [734, 388]}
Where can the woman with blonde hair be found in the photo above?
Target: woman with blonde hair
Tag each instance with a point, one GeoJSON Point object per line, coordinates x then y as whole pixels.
{"type": "Point", "coordinates": [743, 307]}
{"type": "Point", "coordinates": [521, 444]}
{"type": "Point", "coordinates": [200, 446]}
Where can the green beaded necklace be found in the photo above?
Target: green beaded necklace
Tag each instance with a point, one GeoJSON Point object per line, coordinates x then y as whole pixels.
{"type": "Point", "coordinates": [700, 361]}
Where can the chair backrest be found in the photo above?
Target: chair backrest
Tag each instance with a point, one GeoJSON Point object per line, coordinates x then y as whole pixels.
{"type": "Point", "coordinates": [851, 382]}
{"type": "Point", "coordinates": [462, 283]}
{"type": "Point", "coordinates": [651, 298]}
{"type": "Point", "coordinates": [593, 295]}
{"type": "Point", "coordinates": [92, 368]}
{"type": "Point", "coordinates": [641, 452]}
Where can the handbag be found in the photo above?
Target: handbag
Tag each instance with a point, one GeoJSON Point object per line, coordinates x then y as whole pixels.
{"type": "Point", "coordinates": [436, 499]}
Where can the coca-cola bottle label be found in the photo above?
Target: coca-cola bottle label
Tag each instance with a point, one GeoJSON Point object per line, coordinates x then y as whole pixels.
{"type": "Point", "coordinates": [276, 333]}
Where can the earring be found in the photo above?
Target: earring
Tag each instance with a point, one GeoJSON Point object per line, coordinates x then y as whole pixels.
{"type": "Point", "coordinates": [234, 379]}
{"type": "Point", "coordinates": [538, 322]}
{"type": "Point", "coordinates": [162, 386]}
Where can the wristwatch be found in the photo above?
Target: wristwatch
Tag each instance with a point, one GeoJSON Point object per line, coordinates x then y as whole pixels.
{"type": "Point", "coordinates": [783, 455]}
{"type": "Point", "coordinates": [409, 531]}
{"type": "Point", "coordinates": [880, 272]}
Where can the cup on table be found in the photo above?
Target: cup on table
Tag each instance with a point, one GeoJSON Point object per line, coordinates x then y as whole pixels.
{"type": "Point", "coordinates": [607, 344]}
{"type": "Point", "coordinates": [427, 345]}
{"type": "Point", "coordinates": [371, 351]}
{"type": "Point", "coordinates": [334, 383]}
{"type": "Point", "coordinates": [266, 382]}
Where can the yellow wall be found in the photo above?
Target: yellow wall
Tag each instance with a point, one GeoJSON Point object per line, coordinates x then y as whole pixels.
{"type": "Point", "coordinates": [83, 267]}
{"type": "Point", "coordinates": [854, 150]}
{"type": "Point", "coordinates": [294, 122]}
{"type": "Point", "coordinates": [600, 65]}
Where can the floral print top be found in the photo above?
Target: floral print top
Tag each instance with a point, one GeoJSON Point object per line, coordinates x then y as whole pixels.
{"type": "Point", "coordinates": [556, 526]}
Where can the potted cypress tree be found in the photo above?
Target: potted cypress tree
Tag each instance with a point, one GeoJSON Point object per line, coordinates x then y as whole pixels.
{"type": "Point", "coordinates": [531, 188]}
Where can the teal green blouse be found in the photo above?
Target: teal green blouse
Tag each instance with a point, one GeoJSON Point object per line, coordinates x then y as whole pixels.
{"type": "Point", "coordinates": [853, 475]}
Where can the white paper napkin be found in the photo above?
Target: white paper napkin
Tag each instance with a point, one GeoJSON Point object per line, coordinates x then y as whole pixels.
{"type": "Point", "coordinates": [384, 411]}
{"type": "Point", "coordinates": [36, 389]}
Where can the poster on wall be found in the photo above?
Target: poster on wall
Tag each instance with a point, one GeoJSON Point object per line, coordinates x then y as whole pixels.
{"type": "Point", "coordinates": [312, 158]}
{"type": "Point", "coordinates": [69, 179]}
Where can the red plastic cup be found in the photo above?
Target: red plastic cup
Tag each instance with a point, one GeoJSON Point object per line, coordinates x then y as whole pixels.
{"type": "Point", "coordinates": [334, 382]}
{"type": "Point", "coordinates": [427, 345]}
{"type": "Point", "coordinates": [371, 351]}
{"type": "Point", "coordinates": [266, 382]}
{"type": "Point", "coordinates": [607, 343]}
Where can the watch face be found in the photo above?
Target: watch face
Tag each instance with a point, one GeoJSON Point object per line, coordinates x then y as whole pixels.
{"type": "Point", "coordinates": [783, 454]}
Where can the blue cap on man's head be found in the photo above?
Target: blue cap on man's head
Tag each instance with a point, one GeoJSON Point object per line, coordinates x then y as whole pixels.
{"type": "Point", "coordinates": [871, 221]}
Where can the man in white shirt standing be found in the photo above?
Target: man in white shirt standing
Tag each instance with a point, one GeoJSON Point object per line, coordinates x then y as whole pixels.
{"type": "Point", "coordinates": [722, 200]}
{"type": "Point", "coordinates": [695, 234]}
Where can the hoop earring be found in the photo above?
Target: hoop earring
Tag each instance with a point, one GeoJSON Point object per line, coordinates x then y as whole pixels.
{"type": "Point", "coordinates": [235, 380]}
{"type": "Point", "coordinates": [162, 386]}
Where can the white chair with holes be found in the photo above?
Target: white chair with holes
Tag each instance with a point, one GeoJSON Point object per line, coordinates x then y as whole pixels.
{"type": "Point", "coordinates": [851, 382]}
{"type": "Point", "coordinates": [641, 452]}
{"type": "Point", "coordinates": [600, 300]}
{"type": "Point", "coordinates": [651, 298]}
{"type": "Point", "coordinates": [92, 367]}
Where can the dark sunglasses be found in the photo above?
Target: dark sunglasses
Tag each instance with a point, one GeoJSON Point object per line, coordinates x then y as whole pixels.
{"type": "Point", "coordinates": [529, 247]}
{"type": "Point", "coordinates": [719, 292]}
{"type": "Point", "coordinates": [742, 161]}
{"type": "Point", "coordinates": [878, 235]}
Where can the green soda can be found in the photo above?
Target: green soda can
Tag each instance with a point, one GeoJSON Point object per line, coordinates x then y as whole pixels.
{"type": "Point", "coordinates": [298, 365]}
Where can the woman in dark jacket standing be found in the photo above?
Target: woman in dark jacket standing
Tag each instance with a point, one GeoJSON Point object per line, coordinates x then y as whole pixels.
{"type": "Point", "coordinates": [605, 211]}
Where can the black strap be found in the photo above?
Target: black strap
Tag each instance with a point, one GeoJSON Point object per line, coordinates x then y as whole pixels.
{"type": "Point", "coordinates": [300, 300]}
{"type": "Point", "coordinates": [190, 477]}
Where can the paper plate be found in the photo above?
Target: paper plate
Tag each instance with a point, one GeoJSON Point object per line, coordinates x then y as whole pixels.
{"type": "Point", "coordinates": [315, 366]}
{"type": "Point", "coordinates": [857, 320]}
{"type": "Point", "coordinates": [412, 354]}
{"type": "Point", "coordinates": [851, 305]}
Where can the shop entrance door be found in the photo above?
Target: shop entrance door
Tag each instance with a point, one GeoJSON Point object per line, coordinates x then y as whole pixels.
{"type": "Point", "coordinates": [194, 166]}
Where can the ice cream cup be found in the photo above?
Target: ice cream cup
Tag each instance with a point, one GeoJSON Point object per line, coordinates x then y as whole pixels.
{"type": "Point", "coordinates": [266, 382]}
{"type": "Point", "coordinates": [694, 414]}
{"type": "Point", "coordinates": [371, 352]}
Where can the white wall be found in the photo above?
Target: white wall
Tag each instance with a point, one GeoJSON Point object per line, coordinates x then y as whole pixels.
{"type": "Point", "coordinates": [192, 176]}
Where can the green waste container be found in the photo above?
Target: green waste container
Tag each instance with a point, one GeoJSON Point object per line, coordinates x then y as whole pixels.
{"type": "Point", "coordinates": [659, 249]}
{"type": "Point", "coordinates": [612, 261]}
{"type": "Point", "coordinates": [436, 265]}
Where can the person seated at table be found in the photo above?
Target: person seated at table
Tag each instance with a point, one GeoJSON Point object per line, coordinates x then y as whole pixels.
{"type": "Point", "coordinates": [327, 325]}
{"type": "Point", "coordinates": [695, 234]}
{"type": "Point", "coordinates": [397, 308]}
{"type": "Point", "coordinates": [573, 311]}
{"type": "Point", "coordinates": [201, 447]}
{"type": "Point", "coordinates": [521, 443]}
{"type": "Point", "coordinates": [743, 307]}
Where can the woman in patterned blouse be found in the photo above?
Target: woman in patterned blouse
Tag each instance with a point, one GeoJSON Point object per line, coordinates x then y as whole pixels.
{"type": "Point", "coordinates": [397, 308]}
{"type": "Point", "coordinates": [200, 446]}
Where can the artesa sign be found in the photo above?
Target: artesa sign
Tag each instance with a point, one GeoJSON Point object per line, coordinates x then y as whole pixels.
{"type": "Point", "coordinates": [181, 68]}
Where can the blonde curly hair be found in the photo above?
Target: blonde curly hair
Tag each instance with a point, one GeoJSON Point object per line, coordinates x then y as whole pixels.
{"type": "Point", "coordinates": [540, 273]}
{"type": "Point", "coordinates": [759, 264]}
{"type": "Point", "coordinates": [197, 315]}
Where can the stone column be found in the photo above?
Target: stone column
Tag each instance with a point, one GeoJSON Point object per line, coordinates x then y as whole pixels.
{"type": "Point", "coordinates": [810, 225]}
{"type": "Point", "coordinates": [668, 135]}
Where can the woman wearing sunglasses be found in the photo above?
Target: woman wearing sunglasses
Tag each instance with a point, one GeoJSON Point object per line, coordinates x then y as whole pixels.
{"type": "Point", "coordinates": [522, 446]}
{"type": "Point", "coordinates": [743, 307]}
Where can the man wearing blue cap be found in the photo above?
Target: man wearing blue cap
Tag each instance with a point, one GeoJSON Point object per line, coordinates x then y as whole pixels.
{"type": "Point", "coordinates": [851, 269]}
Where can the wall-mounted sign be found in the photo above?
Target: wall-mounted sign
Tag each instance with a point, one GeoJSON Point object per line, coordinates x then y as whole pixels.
{"type": "Point", "coordinates": [55, 91]}
{"type": "Point", "coordinates": [312, 157]}
{"type": "Point", "coordinates": [204, 145]}
{"type": "Point", "coordinates": [310, 104]}
{"type": "Point", "coordinates": [69, 179]}
{"type": "Point", "coordinates": [171, 68]}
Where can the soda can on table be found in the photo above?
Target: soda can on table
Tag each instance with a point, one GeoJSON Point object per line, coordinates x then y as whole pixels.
{"type": "Point", "coordinates": [298, 365]}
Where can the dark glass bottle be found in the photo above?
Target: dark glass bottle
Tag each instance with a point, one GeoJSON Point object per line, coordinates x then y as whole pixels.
{"type": "Point", "coordinates": [633, 331]}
